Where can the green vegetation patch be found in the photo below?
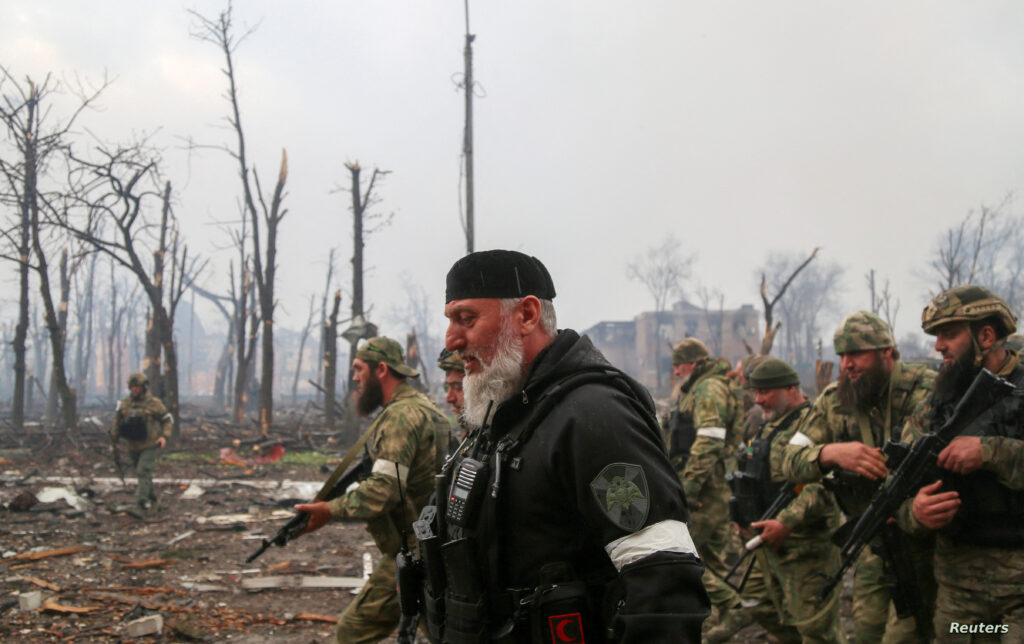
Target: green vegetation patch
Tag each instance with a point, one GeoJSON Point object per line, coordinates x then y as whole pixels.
{"type": "Point", "coordinates": [305, 458]}
{"type": "Point", "coordinates": [190, 457]}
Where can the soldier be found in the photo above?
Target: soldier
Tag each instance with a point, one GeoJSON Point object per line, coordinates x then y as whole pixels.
{"type": "Point", "coordinates": [979, 512]}
{"type": "Point", "coordinates": [407, 442]}
{"type": "Point", "coordinates": [798, 555]}
{"type": "Point", "coordinates": [454, 370]}
{"type": "Point", "coordinates": [707, 408]}
{"type": "Point", "coordinates": [842, 436]}
{"type": "Point", "coordinates": [563, 519]}
{"type": "Point", "coordinates": [144, 422]}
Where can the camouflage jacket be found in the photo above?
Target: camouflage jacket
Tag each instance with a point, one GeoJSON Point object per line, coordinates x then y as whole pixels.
{"type": "Point", "coordinates": [813, 515]}
{"type": "Point", "coordinates": [407, 443]}
{"type": "Point", "coordinates": [1002, 455]}
{"type": "Point", "coordinates": [830, 422]}
{"type": "Point", "coordinates": [709, 399]}
{"type": "Point", "coordinates": [158, 421]}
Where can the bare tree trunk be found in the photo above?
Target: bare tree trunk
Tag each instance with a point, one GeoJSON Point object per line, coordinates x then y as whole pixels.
{"type": "Point", "coordinates": [358, 206]}
{"type": "Point", "coordinates": [302, 349]}
{"type": "Point", "coordinates": [771, 327]}
{"type": "Point", "coordinates": [21, 330]}
{"type": "Point", "coordinates": [330, 343]}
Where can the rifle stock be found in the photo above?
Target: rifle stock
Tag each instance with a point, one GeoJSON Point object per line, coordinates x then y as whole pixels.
{"type": "Point", "coordinates": [914, 470]}
{"type": "Point", "coordinates": [298, 523]}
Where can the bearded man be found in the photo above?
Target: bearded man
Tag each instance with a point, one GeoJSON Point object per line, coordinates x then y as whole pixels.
{"type": "Point", "coordinates": [407, 442]}
{"type": "Point", "coordinates": [563, 518]}
{"type": "Point", "coordinates": [842, 437]}
{"type": "Point", "coordinates": [977, 508]}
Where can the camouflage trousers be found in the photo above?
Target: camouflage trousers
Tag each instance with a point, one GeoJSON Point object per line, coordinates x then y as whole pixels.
{"type": "Point", "coordinates": [711, 531]}
{"type": "Point", "coordinates": [795, 579]}
{"type": "Point", "coordinates": [375, 611]}
{"type": "Point", "coordinates": [979, 589]}
{"type": "Point", "coordinates": [756, 600]}
{"type": "Point", "coordinates": [874, 616]}
{"type": "Point", "coordinates": [144, 463]}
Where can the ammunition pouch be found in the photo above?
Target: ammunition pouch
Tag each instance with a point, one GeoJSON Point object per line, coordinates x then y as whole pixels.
{"type": "Point", "coordinates": [133, 428]}
{"type": "Point", "coordinates": [433, 580]}
{"type": "Point", "coordinates": [563, 613]}
{"type": "Point", "coordinates": [747, 504]}
{"type": "Point", "coordinates": [991, 514]}
{"type": "Point", "coordinates": [852, 491]}
{"type": "Point", "coordinates": [465, 608]}
{"type": "Point", "coordinates": [682, 434]}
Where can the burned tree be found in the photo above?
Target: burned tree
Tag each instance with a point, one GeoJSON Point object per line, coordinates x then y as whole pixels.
{"type": "Point", "coordinates": [116, 191]}
{"type": "Point", "coordinates": [39, 142]}
{"type": "Point", "coordinates": [771, 327]}
{"type": "Point", "coordinates": [662, 270]}
{"type": "Point", "coordinates": [220, 32]}
{"type": "Point", "coordinates": [361, 201]}
{"type": "Point", "coordinates": [330, 358]}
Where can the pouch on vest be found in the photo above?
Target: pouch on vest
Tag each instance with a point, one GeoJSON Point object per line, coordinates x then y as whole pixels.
{"type": "Point", "coordinates": [563, 614]}
{"type": "Point", "coordinates": [682, 435]}
{"type": "Point", "coordinates": [465, 610]}
{"type": "Point", "coordinates": [132, 428]}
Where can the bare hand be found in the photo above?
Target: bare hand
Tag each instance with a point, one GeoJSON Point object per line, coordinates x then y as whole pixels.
{"type": "Point", "coordinates": [161, 442]}
{"type": "Point", "coordinates": [962, 455]}
{"type": "Point", "coordinates": [773, 532]}
{"type": "Point", "coordinates": [855, 457]}
{"type": "Point", "coordinates": [935, 509]}
{"type": "Point", "coordinates": [319, 515]}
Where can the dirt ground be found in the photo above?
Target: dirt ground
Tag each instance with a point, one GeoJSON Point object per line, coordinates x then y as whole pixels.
{"type": "Point", "coordinates": [184, 561]}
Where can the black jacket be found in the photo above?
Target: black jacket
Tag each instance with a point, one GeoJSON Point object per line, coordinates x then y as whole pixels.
{"type": "Point", "coordinates": [593, 470]}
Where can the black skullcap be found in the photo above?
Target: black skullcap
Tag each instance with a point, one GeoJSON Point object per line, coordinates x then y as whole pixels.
{"type": "Point", "coordinates": [499, 274]}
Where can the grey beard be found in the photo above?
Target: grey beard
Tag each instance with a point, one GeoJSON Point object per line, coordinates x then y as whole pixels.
{"type": "Point", "coordinates": [497, 381]}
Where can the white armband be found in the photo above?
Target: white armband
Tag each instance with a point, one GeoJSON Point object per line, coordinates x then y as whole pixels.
{"type": "Point", "coordinates": [801, 439]}
{"type": "Point", "coordinates": [712, 432]}
{"type": "Point", "coordinates": [390, 468]}
{"type": "Point", "coordinates": [665, 536]}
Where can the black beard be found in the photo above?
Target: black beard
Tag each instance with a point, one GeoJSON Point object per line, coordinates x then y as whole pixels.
{"type": "Point", "coordinates": [371, 397]}
{"type": "Point", "coordinates": [955, 377]}
{"type": "Point", "coordinates": [864, 392]}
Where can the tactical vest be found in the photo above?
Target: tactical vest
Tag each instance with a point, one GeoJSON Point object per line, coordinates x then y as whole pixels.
{"type": "Point", "coordinates": [991, 514]}
{"type": "Point", "coordinates": [463, 604]}
{"type": "Point", "coordinates": [752, 485]}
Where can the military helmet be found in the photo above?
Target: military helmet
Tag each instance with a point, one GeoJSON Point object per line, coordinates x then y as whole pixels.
{"type": "Point", "coordinates": [862, 331]}
{"type": "Point", "coordinates": [689, 350]}
{"type": "Point", "coordinates": [450, 361]}
{"type": "Point", "coordinates": [966, 304]}
{"type": "Point", "coordinates": [138, 380]}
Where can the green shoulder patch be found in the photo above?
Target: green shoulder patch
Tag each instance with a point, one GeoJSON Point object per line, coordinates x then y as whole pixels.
{"type": "Point", "coordinates": [622, 494]}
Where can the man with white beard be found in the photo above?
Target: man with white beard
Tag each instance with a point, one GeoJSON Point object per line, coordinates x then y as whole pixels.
{"type": "Point", "coordinates": [561, 519]}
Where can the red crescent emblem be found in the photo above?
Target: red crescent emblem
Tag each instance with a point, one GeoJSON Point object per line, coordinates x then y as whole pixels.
{"type": "Point", "coordinates": [566, 629]}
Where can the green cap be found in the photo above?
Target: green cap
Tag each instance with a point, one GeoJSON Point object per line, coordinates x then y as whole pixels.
{"type": "Point", "coordinates": [966, 304]}
{"type": "Point", "coordinates": [772, 373]}
{"type": "Point", "coordinates": [388, 351]}
{"type": "Point", "coordinates": [138, 380]}
{"type": "Point", "coordinates": [450, 361]}
{"type": "Point", "coordinates": [862, 331]}
{"type": "Point", "coordinates": [689, 350]}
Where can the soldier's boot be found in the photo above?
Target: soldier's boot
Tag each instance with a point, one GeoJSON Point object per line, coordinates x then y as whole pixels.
{"type": "Point", "coordinates": [136, 511]}
{"type": "Point", "coordinates": [735, 620]}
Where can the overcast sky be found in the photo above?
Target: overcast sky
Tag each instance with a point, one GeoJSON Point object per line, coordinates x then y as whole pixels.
{"type": "Point", "coordinates": [740, 127]}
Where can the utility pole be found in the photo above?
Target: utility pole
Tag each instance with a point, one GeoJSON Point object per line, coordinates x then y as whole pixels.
{"type": "Point", "coordinates": [467, 140]}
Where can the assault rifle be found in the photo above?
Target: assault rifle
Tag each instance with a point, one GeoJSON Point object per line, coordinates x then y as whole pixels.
{"type": "Point", "coordinates": [332, 489]}
{"type": "Point", "coordinates": [788, 492]}
{"type": "Point", "coordinates": [915, 468]}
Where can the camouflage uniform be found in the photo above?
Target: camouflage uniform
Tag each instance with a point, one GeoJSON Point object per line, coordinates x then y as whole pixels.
{"type": "Point", "coordinates": [976, 584]}
{"type": "Point", "coordinates": [447, 362]}
{"type": "Point", "coordinates": [831, 422]}
{"type": "Point", "coordinates": [797, 571]}
{"type": "Point", "coordinates": [152, 420]}
{"type": "Point", "coordinates": [708, 399]}
{"type": "Point", "coordinates": [407, 442]}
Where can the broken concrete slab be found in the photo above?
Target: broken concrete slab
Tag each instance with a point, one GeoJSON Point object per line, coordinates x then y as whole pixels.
{"type": "Point", "coordinates": [148, 625]}
{"type": "Point", "coordinates": [291, 581]}
{"type": "Point", "coordinates": [31, 600]}
{"type": "Point", "coordinates": [53, 494]}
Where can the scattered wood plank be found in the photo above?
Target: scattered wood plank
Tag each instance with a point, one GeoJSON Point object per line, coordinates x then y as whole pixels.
{"type": "Point", "coordinates": [313, 617]}
{"type": "Point", "coordinates": [62, 608]}
{"type": "Point", "coordinates": [43, 584]}
{"type": "Point", "coordinates": [283, 581]}
{"type": "Point", "coordinates": [149, 563]}
{"type": "Point", "coordinates": [59, 552]}
{"type": "Point", "coordinates": [279, 566]}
